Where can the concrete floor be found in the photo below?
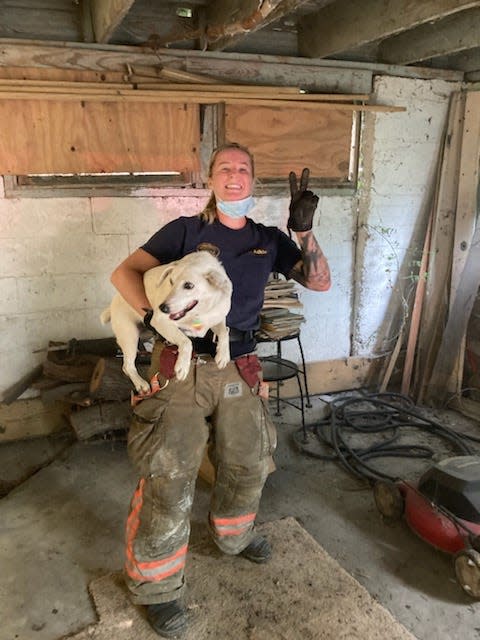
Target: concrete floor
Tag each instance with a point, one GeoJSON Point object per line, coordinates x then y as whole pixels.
{"type": "Point", "coordinates": [63, 526]}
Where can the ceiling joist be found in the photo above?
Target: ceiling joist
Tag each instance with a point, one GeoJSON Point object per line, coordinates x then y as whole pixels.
{"type": "Point", "coordinates": [458, 32]}
{"type": "Point", "coordinates": [345, 25]}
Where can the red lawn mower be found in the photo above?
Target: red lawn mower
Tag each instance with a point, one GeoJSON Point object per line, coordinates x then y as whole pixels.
{"type": "Point", "coordinates": [444, 510]}
{"type": "Point", "coordinates": [443, 507]}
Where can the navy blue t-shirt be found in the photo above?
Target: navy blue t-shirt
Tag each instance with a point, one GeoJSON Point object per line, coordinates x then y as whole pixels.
{"type": "Point", "coordinates": [248, 255]}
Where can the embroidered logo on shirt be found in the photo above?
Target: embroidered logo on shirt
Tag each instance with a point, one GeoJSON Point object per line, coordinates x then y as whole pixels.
{"type": "Point", "coordinates": [260, 252]}
{"type": "Point", "coordinates": [233, 390]}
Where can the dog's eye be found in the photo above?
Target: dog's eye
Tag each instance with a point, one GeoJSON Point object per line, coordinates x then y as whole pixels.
{"type": "Point", "coordinates": [188, 285]}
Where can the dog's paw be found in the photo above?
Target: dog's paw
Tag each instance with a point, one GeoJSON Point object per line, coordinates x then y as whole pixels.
{"type": "Point", "coordinates": [222, 359]}
{"type": "Point", "coordinates": [142, 387]}
{"type": "Point", "coordinates": [182, 367]}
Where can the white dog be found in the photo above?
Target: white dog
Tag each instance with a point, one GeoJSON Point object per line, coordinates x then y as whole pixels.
{"type": "Point", "coordinates": [188, 297]}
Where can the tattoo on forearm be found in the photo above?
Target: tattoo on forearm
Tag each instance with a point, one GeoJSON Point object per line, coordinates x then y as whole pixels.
{"type": "Point", "coordinates": [315, 272]}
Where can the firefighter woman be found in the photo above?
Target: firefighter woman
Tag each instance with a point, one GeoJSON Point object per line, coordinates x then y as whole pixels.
{"type": "Point", "coordinates": [221, 407]}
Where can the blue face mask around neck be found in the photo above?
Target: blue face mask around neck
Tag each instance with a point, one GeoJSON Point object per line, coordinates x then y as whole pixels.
{"type": "Point", "coordinates": [236, 208]}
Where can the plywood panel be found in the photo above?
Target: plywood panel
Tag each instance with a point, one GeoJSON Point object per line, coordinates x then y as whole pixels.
{"type": "Point", "coordinates": [50, 136]}
{"type": "Point", "coordinates": [284, 140]}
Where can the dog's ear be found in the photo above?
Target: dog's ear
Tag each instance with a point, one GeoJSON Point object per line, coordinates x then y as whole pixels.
{"type": "Point", "coordinates": [219, 281]}
{"type": "Point", "coordinates": [165, 274]}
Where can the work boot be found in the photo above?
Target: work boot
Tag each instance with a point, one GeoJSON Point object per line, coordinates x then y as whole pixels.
{"type": "Point", "coordinates": [168, 619]}
{"type": "Point", "coordinates": [259, 550]}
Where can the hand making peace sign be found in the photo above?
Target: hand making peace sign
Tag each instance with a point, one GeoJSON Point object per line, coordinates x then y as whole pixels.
{"type": "Point", "coordinates": [302, 204]}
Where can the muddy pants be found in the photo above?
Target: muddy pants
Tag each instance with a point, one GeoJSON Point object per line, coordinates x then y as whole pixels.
{"type": "Point", "coordinates": [166, 444]}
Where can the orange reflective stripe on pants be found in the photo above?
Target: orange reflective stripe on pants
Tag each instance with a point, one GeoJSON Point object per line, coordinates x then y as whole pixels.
{"type": "Point", "coordinates": [235, 526]}
{"type": "Point", "coordinates": [154, 571]}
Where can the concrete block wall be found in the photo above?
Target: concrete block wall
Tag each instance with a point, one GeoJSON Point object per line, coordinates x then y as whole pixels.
{"type": "Point", "coordinates": [394, 200]}
{"type": "Point", "coordinates": [56, 254]}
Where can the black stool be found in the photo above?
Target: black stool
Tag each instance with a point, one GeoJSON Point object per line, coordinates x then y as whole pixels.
{"type": "Point", "coordinates": [277, 370]}
{"type": "Point", "coordinates": [295, 335]}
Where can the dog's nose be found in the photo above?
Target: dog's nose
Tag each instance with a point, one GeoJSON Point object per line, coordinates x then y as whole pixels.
{"type": "Point", "coordinates": [164, 308]}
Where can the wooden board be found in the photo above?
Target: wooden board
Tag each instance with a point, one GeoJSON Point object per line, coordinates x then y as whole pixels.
{"type": "Point", "coordinates": [89, 137]}
{"type": "Point", "coordinates": [453, 337]}
{"type": "Point", "coordinates": [69, 75]}
{"type": "Point", "coordinates": [320, 140]}
{"type": "Point", "coordinates": [330, 376]}
{"type": "Point", "coordinates": [465, 219]}
{"type": "Point", "coordinates": [435, 307]}
{"type": "Point", "coordinates": [466, 216]}
{"type": "Point", "coordinates": [30, 418]}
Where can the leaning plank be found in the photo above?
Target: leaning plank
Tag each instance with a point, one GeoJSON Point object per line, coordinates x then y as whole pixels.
{"type": "Point", "coordinates": [465, 220]}
{"type": "Point", "coordinates": [456, 328]}
{"type": "Point", "coordinates": [392, 361]}
{"type": "Point", "coordinates": [16, 390]}
{"type": "Point", "coordinates": [417, 309]}
{"type": "Point", "coordinates": [435, 308]}
{"type": "Point", "coordinates": [467, 210]}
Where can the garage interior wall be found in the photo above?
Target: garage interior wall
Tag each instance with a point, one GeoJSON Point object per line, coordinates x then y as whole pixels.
{"type": "Point", "coordinates": [56, 254]}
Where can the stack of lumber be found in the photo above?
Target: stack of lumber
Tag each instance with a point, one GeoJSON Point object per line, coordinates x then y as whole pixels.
{"type": "Point", "coordinates": [182, 92]}
{"type": "Point", "coordinates": [281, 313]}
{"type": "Point", "coordinates": [162, 84]}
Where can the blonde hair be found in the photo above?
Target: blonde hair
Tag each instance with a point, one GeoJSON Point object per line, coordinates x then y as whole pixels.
{"type": "Point", "coordinates": [209, 213]}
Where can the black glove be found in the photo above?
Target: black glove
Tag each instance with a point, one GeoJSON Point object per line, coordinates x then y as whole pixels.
{"type": "Point", "coordinates": [302, 204]}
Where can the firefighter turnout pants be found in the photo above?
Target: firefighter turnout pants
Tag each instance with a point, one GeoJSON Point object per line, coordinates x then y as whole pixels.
{"type": "Point", "coordinates": [166, 444]}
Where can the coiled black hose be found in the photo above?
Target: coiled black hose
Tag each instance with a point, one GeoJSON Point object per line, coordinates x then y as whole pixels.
{"type": "Point", "coordinates": [370, 414]}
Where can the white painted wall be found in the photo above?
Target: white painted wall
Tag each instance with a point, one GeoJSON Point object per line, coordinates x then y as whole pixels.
{"type": "Point", "coordinates": [398, 177]}
{"type": "Point", "coordinates": [56, 254]}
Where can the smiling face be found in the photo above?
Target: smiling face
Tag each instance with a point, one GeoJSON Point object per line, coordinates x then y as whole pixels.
{"type": "Point", "coordinates": [231, 175]}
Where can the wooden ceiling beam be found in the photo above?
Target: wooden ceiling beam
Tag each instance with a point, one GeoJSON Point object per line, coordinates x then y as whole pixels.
{"type": "Point", "coordinates": [107, 15]}
{"type": "Point", "coordinates": [464, 61]}
{"type": "Point", "coordinates": [228, 22]}
{"type": "Point", "coordinates": [458, 32]}
{"type": "Point", "coordinates": [345, 25]}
